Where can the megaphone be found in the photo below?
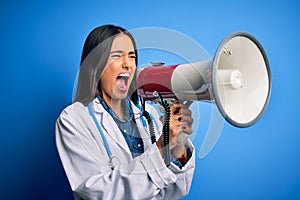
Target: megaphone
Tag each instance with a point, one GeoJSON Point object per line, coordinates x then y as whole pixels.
{"type": "Point", "coordinates": [237, 80]}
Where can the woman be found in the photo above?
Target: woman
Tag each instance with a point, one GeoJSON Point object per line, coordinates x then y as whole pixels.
{"type": "Point", "coordinates": [103, 138]}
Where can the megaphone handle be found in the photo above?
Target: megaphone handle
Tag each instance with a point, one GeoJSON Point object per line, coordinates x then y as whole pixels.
{"type": "Point", "coordinates": [182, 138]}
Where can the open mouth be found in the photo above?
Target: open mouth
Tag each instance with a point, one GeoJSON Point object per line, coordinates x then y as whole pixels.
{"type": "Point", "coordinates": [124, 76]}
{"type": "Point", "coordinates": [122, 81]}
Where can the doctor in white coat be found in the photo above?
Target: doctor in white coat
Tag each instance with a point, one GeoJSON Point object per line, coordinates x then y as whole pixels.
{"type": "Point", "coordinates": [107, 142]}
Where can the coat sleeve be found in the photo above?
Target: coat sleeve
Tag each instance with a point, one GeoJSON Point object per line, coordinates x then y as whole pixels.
{"type": "Point", "coordinates": [184, 175]}
{"type": "Point", "coordinates": [92, 178]}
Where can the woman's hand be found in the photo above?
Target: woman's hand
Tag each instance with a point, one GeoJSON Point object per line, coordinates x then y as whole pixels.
{"type": "Point", "coordinates": [180, 122]}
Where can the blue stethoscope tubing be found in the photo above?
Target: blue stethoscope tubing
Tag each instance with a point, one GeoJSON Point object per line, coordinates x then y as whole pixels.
{"type": "Point", "coordinates": [106, 145]}
{"type": "Point", "coordinates": [109, 153]}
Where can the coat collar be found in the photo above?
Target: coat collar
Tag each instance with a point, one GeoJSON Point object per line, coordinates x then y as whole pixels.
{"type": "Point", "coordinates": [98, 108]}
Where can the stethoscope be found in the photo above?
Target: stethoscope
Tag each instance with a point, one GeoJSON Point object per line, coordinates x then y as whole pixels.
{"type": "Point", "coordinates": [106, 145]}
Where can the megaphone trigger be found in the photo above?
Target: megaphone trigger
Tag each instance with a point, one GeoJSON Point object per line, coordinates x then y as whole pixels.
{"type": "Point", "coordinates": [188, 103]}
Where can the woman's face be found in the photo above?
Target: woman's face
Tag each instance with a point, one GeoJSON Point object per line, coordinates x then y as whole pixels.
{"type": "Point", "coordinates": [119, 70]}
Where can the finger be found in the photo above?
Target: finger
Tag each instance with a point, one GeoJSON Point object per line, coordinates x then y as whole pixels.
{"type": "Point", "coordinates": [180, 110]}
{"type": "Point", "coordinates": [187, 130]}
{"type": "Point", "coordinates": [175, 109]}
{"type": "Point", "coordinates": [177, 124]}
{"type": "Point", "coordinates": [185, 118]}
{"type": "Point", "coordinates": [177, 127]}
{"type": "Point", "coordinates": [185, 112]}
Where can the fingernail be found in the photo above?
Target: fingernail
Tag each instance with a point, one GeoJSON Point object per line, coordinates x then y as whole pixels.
{"type": "Point", "coordinates": [184, 127]}
{"type": "Point", "coordinates": [176, 111]}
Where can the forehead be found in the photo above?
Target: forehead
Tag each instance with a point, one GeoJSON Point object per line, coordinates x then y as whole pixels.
{"type": "Point", "coordinates": [122, 42]}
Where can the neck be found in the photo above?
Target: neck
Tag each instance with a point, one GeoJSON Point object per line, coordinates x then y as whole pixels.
{"type": "Point", "coordinates": [116, 106]}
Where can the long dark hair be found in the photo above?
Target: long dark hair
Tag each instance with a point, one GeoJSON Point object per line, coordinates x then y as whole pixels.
{"type": "Point", "coordinates": [94, 57]}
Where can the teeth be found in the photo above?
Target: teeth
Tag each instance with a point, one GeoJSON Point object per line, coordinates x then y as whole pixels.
{"type": "Point", "coordinates": [124, 75]}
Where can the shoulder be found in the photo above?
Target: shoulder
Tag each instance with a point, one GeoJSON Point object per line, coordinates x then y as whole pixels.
{"type": "Point", "coordinates": [73, 109]}
{"type": "Point", "coordinates": [74, 112]}
{"type": "Point", "coordinates": [75, 119]}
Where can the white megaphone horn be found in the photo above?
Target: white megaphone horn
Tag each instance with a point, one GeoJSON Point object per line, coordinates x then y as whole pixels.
{"type": "Point", "coordinates": [237, 80]}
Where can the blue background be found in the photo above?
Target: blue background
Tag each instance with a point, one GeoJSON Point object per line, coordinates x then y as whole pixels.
{"type": "Point", "coordinates": [41, 45]}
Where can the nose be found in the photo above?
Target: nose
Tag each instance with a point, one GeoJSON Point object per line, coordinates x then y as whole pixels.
{"type": "Point", "coordinates": [127, 62]}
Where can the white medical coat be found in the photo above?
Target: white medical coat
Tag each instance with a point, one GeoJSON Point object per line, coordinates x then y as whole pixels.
{"type": "Point", "coordinates": [86, 162]}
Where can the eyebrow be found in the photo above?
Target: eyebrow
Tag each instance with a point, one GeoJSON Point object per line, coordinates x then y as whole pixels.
{"type": "Point", "coordinates": [120, 51]}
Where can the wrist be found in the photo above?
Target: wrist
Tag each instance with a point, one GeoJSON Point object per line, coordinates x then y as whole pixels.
{"type": "Point", "coordinates": [183, 158]}
{"type": "Point", "coordinates": [179, 152]}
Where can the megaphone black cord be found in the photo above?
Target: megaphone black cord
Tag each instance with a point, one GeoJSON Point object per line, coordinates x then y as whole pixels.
{"type": "Point", "coordinates": [151, 126]}
{"type": "Point", "coordinates": [166, 128]}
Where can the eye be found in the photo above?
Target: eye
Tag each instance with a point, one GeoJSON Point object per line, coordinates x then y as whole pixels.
{"type": "Point", "coordinates": [116, 55]}
{"type": "Point", "coordinates": [132, 55]}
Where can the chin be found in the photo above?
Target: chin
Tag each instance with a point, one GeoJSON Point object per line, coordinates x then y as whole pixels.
{"type": "Point", "coordinates": [120, 96]}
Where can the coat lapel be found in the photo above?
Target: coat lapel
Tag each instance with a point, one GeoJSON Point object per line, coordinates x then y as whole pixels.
{"type": "Point", "coordinates": [109, 126]}
{"type": "Point", "coordinates": [143, 130]}
{"type": "Point", "coordinates": [112, 130]}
